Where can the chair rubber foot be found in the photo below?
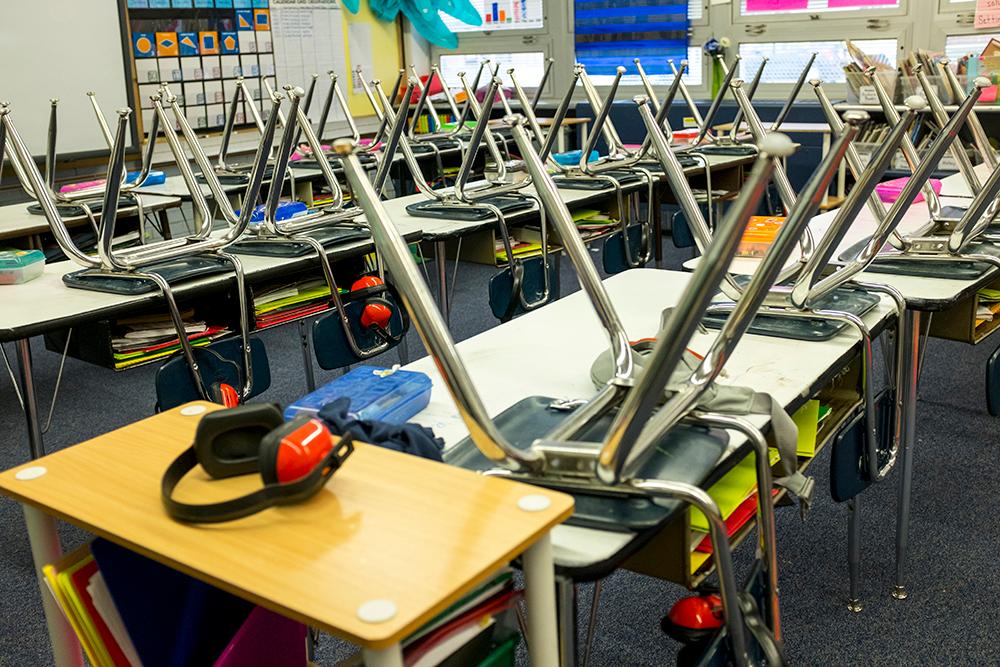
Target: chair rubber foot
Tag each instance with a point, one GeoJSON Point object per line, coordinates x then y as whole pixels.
{"type": "Point", "coordinates": [899, 592]}
{"type": "Point", "coordinates": [855, 605]}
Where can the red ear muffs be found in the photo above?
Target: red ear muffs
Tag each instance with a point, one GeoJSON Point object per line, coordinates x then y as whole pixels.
{"type": "Point", "coordinates": [694, 619]}
{"type": "Point", "coordinates": [224, 394]}
{"type": "Point", "coordinates": [293, 450]}
{"type": "Point", "coordinates": [295, 459]}
{"type": "Point", "coordinates": [376, 313]}
{"type": "Point", "coordinates": [365, 282]}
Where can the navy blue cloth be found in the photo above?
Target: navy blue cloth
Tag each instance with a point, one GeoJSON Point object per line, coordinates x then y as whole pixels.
{"type": "Point", "coordinates": [407, 438]}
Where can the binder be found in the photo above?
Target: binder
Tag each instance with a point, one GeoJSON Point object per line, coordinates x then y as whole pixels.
{"type": "Point", "coordinates": [174, 620]}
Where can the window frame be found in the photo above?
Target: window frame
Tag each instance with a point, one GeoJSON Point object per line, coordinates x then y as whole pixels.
{"type": "Point", "coordinates": [821, 18]}
{"type": "Point", "coordinates": [835, 90]}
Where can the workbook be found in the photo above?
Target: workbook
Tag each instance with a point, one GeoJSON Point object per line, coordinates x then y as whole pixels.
{"type": "Point", "coordinates": [81, 594]}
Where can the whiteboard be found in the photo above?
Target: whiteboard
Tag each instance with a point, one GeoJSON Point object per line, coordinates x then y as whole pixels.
{"type": "Point", "coordinates": [62, 49]}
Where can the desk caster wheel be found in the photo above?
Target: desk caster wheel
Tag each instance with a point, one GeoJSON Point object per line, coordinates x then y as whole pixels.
{"type": "Point", "coordinates": [855, 605]}
{"type": "Point", "coordinates": [899, 592]}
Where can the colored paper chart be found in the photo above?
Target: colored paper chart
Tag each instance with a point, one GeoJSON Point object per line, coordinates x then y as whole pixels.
{"type": "Point", "coordinates": [836, 4]}
{"type": "Point", "coordinates": [776, 5]}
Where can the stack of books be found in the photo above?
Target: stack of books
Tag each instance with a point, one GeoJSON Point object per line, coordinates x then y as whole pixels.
{"type": "Point", "coordinates": [479, 629]}
{"type": "Point", "coordinates": [81, 593]}
{"type": "Point", "coordinates": [145, 338]}
{"type": "Point", "coordinates": [593, 223]}
{"type": "Point", "coordinates": [290, 302]}
{"type": "Point", "coordinates": [130, 611]}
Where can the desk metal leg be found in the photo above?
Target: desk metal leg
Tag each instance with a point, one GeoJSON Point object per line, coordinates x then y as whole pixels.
{"type": "Point", "coordinates": [307, 364]}
{"type": "Point", "coordinates": [655, 213]}
{"type": "Point", "coordinates": [164, 224]}
{"type": "Point", "coordinates": [45, 549]}
{"type": "Point", "coordinates": [540, 588]}
{"type": "Point", "coordinates": [442, 269]}
{"type": "Point", "coordinates": [35, 445]}
{"type": "Point", "coordinates": [387, 657]}
{"type": "Point", "coordinates": [854, 552]}
{"type": "Point", "coordinates": [566, 604]}
{"type": "Point", "coordinates": [825, 150]}
{"type": "Point", "coordinates": [561, 139]}
{"type": "Point", "coordinates": [911, 330]}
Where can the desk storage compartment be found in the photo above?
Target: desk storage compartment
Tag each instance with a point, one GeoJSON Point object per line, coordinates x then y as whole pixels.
{"type": "Point", "coordinates": [672, 554]}
{"type": "Point", "coordinates": [959, 321]}
{"type": "Point", "coordinates": [295, 296]}
{"type": "Point", "coordinates": [486, 246]}
{"type": "Point", "coordinates": [94, 342]}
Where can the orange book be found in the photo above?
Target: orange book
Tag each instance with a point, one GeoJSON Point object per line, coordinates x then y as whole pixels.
{"type": "Point", "coordinates": [759, 234]}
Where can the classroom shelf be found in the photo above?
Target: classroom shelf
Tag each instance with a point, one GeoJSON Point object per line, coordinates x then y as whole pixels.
{"type": "Point", "coordinates": [671, 554]}
{"type": "Point", "coordinates": [958, 322]}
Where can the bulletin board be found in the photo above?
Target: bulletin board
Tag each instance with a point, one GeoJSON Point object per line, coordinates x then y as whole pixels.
{"type": "Point", "coordinates": [201, 47]}
{"type": "Point", "coordinates": [317, 36]}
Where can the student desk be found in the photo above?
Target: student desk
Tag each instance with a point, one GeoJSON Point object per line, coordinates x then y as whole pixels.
{"type": "Point", "coordinates": [17, 223]}
{"type": "Point", "coordinates": [392, 531]}
{"type": "Point", "coordinates": [924, 297]}
{"type": "Point", "coordinates": [46, 304]}
{"type": "Point", "coordinates": [548, 352]}
{"type": "Point", "coordinates": [826, 133]}
{"type": "Point", "coordinates": [174, 186]}
{"type": "Point", "coordinates": [438, 232]}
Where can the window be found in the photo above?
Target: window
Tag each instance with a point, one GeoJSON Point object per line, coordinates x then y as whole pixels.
{"type": "Point", "coordinates": [691, 78]}
{"type": "Point", "coordinates": [696, 10]}
{"type": "Point", "coordinates": [611, 33]}
{"type": "Point", "coordinates": [502, 15]}
{"type": "Point", "coordinates": [959, 46]}
{"type": "Point", "coordinates": [528, 67]}
{"type": "Point", "coordinates": [786, 59]}
{"type": "Point", "coordinates": [757, 7]}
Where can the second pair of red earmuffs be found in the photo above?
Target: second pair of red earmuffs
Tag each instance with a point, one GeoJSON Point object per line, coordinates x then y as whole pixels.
{"type": "Point", "coordinates": [295, 459]}
{"type": "Point", "coordinates": [377, 311]}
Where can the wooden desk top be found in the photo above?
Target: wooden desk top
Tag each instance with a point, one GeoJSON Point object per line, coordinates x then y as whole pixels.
{"type": "Point", "coordinates": [387, 526]}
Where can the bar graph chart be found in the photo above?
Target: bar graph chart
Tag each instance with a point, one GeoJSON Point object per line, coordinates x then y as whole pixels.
{"type": "Point", "coordinates": [502, 15]}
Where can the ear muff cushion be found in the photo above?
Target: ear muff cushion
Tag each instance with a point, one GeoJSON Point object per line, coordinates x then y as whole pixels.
{"type": "Point", "coordinates": [268, 455]}
{"type": "Point", "coordinates": [227, 442]}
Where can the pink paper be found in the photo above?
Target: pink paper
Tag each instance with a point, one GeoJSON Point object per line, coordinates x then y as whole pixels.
{"type": "Point", "coordinates": [76, 187]}
{"type": "Point", "coordinates": [776, 5]}
{"type": "Point", "coordinates": [266, 638]}
{"type": "Point", "coordinates": [835, 4]}
{"type": "Point", "coordinates": [889, 191]}
{"type": "Point", "coordinates": [987, 14]}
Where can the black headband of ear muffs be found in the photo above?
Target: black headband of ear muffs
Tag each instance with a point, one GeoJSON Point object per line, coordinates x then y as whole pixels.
{"type": "Point", "coordinates": [272, 494]}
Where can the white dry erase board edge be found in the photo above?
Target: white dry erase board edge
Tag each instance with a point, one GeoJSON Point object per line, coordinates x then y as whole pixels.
{"type": "Point", "coordinates": [62, 49]}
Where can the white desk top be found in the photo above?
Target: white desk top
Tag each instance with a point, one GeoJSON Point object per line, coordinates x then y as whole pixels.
{"type": "Point", "coordinates": [548, 352]}
{"type": "Point", "coordinates": [915, 289]}
{"type": "Point", "coordinates": [174, 185]}
{"type": "Point", "coordinates": [46, 301]}
{"type": "Point", "coordinates": [955, 186]}
{"type": "Point", "coordinates": [436, 229]}
{"type": "Point", "coordinates": [15, 220]}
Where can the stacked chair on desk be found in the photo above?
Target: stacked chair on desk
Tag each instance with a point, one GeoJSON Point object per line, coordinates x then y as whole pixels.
{"type": "Point", "coordinates": [525, 283]}
{"type": "Point", "coordinates": [347, 335]}
{"type": "Point", "coordinates": [632, 246]}
{"type": "Point", "coordinates": [223, 372]}
{"type": "Point", "coordinates": [87, 199]}
{"type": "Point", "coordinates": [607, 451]}
{"type": "Point", "coordinates": [814, 299]}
